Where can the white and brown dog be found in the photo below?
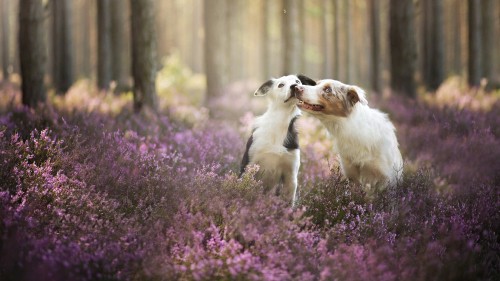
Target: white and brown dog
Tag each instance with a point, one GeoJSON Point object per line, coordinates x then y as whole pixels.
{"type": "Point", "coordinates": [363, 137]}
{"type": "Point", "coordinates": [274, 144]}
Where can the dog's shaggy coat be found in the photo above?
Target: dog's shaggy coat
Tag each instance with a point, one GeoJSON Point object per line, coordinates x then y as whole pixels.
{"type": "Point", "coordinates": [363, 137]}
{"type": "Point", "coordinates": [274, 144]}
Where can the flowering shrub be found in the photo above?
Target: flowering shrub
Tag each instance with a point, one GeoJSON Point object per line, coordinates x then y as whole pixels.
{"type": "Point", "coordinates": [460, 143]}
{"type": "Point", "coordinates": [58, 226]}
{"type": "Point", "coordinates": [93, 196]}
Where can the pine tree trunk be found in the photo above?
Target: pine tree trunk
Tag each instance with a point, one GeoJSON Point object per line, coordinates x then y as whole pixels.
{"type": "Point", "coordinates": [62, 46]}
{"type": "Point", "coordinates": [326, 61]}
{"type": "Point", "coordinates": [5, 39]}
{"type": "Point", "coordinates": [103, 44]}
{"type": "Point", "coordinates": [32, 51]}
{"type": "Point", "coordinates": [302, 36]}
{"type": "Point", "coordinates": [436, 45]}
{"type": "Point", "coordinates": [234, 30]}
{"type": "Point", "coordinates": [347, 65]}
{"type": "Point", "coordinates": [488, 20]}
{"type": "Point", "coordinates": [291, 32]}
{"type": "Point", "coordinates": [457, 37]}
{"type": "Point", "coordinates": [475, 47]}
{"type": "Point", "coordinates": [402, 47]}
{"type": "Point", "coordinates": [86, 62]}
{"type": "Point", "coordinates": [195, 54]}
{"type": "Point", "coordinates": [265, 39]}
{"type": "Point", "coordinates": [425, 41]}
{"type": "Point", "coordinates": [119, 44]}
{"type": "Point", "coordinates": [336, 40]}
{"type": "Point", "coordinates": [215, 56]}
{"type": "Point", "coordinates": [144, 54]}
{"type": "Point", "coordinates": [374, 28]}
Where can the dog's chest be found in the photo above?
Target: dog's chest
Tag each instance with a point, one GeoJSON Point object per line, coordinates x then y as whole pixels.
{"type": "Point", "coordinates": [269, 141]}
{"type": "Point", "coordinates": [274, 144]}
{"type": "Point", "coordinates": [275, 159]}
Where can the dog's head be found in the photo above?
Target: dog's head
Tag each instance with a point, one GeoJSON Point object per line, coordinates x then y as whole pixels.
{"type": "Point", "coordinates": [281, 90]}
{"type": "Point", "coordinates": [329, 97]}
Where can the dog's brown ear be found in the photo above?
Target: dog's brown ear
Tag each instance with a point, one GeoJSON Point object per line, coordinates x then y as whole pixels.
{"type": "Point", "coordinates": [264, 88]}
{"type": "Point", "coordinates": [306, 80]}
{"type": "Point", "coordinates": [352, 96]}
{"type": "Point", "coordinates": [360, 95]}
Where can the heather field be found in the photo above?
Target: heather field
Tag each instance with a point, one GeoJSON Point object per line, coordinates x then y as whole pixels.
{"type": "Point", "coordinates": [91, 191]}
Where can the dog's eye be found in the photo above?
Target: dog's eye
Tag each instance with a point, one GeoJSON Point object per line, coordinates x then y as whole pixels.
{"type": "Point", "coordinates": [281, 85]}
{"type": "Point", "coordinates": [328, 90]}
{"type": "Point", "coordinates": [297, 81]}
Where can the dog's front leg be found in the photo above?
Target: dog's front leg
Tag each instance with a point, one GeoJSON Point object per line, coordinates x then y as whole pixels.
{"type": "Point", "coordinates": [290, 187]}
{"type": "Point", "coordinates": [290, 182]}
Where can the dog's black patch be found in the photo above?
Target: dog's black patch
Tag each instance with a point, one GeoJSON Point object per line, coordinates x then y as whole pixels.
{"type": "Point", "coordinates": [306, 80]}
{"type": "Point", "coordinates": [291, 141]}
{"type": "Point", "coordinates": [246, 157]}
{"type": "Point", "coordinates": [264, 88]}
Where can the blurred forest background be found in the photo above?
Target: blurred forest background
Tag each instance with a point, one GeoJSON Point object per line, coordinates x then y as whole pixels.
{"type": "Point", "coordinates": [228, 41]}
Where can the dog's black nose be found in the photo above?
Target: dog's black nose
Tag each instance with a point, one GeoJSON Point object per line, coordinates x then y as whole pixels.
{"type": "Point", "coordinates": [297, 88]}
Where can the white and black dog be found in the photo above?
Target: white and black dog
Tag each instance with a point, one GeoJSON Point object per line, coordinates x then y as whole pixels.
{"type": "Point", "coordinates": [274, 144]}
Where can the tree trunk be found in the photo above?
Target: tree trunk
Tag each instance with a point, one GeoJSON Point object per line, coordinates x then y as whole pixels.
{"type": "Point", "coordinates": [374, 28]}
{"type": "Point", "coordinates": [32, 51]}
{"type": "Point", "coordinates": [195, 54]}
{"type": "Point", "coordinates": [475, 47]}
{"type": "Point", "coordinates": [437, 48]}
{"type": "Point", "coordinates": [86, 38]}
{"type": "Point", "coordinates": [5, 38]}
{"type": "Point", "coordinates": [234, 31]}
{"type": "Point", "coordinates": [291, 32]}
{"type": "Point", "coordinates": [62, 46]}
{"type": "Point", "coordinates": [164, 16]}
{"type": "Point", "coordinates": [326, 61]}
{"type": "Point", "coordinates": [424, 41]}
{"type": "Point", "coordinates": [103, 44]}
{"type": "Point", "coordinates": [347, 41]}
{"type": "Point", "coordinates": [144, 54]}
{"type": "Point", "coordinates": [215, 57]}
{"type": "Point", "coordinates": [488, 35]}
{"type": "Point", "coordinates": [336, 41]}
{"type": "Point", "coordinates": [402, 46]}
{"type": "Point", "coordinates": [302, 36]}
{"type": "Point", "coordinates": [457, 37]}
{"type": "Point", "coordinates": [265, 39]}
{"type": "Point", "coordinates": [436, 44]}
{"type": "Point", "coordinates": [119, 44]}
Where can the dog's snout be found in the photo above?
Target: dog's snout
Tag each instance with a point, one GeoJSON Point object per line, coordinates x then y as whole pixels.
{"type": "Point", "coordinates": [297, 88]}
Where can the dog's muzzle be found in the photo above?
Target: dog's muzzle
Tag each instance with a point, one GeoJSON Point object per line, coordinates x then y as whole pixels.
{"type": "Point", "coordinates": [297, 90]}
{"type": "Point", "coordinates": [294, 89]}
{"type": "Point", "coordinates": [292, 93]}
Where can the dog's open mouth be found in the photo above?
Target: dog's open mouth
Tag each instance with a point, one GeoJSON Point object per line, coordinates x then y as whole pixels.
{"type": "Point", "coordinates": [313, 107]}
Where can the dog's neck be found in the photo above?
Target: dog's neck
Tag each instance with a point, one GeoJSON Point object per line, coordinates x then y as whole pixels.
{"type": "Point", "coordinates": [281, 112]}
{"type": "Point", "coordinates": [286, 109]}
{"type": "Point", "coordinates": [338, 124]}
{"type": "Point", "coordinates": [277, 118]}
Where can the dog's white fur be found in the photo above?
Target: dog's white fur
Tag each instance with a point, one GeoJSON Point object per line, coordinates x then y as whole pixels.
{"type": "Point", "coordinates": [266, 147]}
{"type": "Point", "coordinates": [363, 137]}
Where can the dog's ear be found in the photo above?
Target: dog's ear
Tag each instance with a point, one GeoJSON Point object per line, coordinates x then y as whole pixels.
{"type": "Point", "coordinates": [306, 80]}
{"type": "Point", "coordinates": [352, 96]}
{"type": "Point", "coordinates": [264, 88]}
{"type": "Point", "coordinates": [356, 94]}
